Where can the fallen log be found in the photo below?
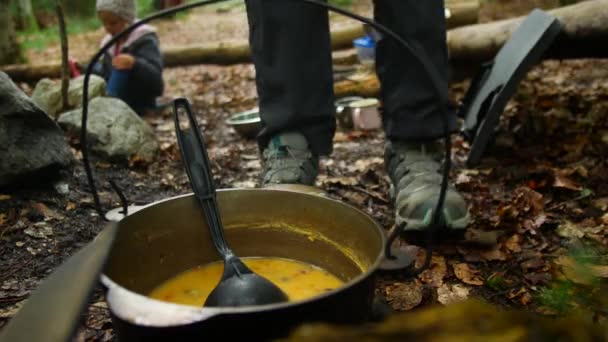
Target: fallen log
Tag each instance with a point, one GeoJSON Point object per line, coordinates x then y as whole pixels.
{"type": "Point", "coordinates": [460, 12]}
{"type": "Point", "coordinates": [364, 84]}
{"type": "Point", "coordinates": [584, 36]}
{"type": "Point", "coordinates": [223, 53]}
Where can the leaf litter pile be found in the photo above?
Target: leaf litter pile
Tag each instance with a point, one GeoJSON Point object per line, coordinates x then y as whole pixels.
{"type": "Point", "coordinates": [539, 198]}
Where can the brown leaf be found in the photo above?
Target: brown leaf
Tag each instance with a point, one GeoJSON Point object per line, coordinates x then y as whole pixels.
{"type": "Point", "coordinates": [448, 294]}
{"type": "Point", "coordinates": [538, 278]}
{"type": "Point", "coordinates": [482, 237]}
{"type": "Point", "coordinates": [531, 200]}
{"type": "Point", "coordinates": [581, 273]}
{"type": "Point", "coordinates": [514, 293]}
{"type": "Point", "coordinates": [362, 165]}
{"type": "Point", "coordinates": [2, 219]}
{"type": "Point", "coordinates": [494, 255]}
{"type": "Point", "coordinates": [467, 274]}
{"type": "Point", "coordinates": [601, 203]}
{"type": "Point", "coordinates": [4, 197]}
{"type": "Point", "coordinates": [45, 211]}
{"type": "Point", "coordinates": [404, 296]}
{"type": "Point", "coordinates": [525, 298]}
{"type": "Point", "coordinates": [343, 181]}
{"type": "Point", "coordinates": [70, 206]}
{"type": "Point", "coordinates": [514, 243]}
{"type": "Point", "coordinates": [562, 181]}
{"type": "Point", "coordinates": [532, 264]}
{"type": "Point", "coordinates": [340, 137]}
{"type": "Point", "coordinates": [435, 273]}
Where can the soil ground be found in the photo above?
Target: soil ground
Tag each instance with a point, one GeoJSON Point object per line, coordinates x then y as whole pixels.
{"type": "Point", "coordinates": [539, 194]}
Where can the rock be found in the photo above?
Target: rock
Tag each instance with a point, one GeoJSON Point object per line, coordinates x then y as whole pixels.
{"type": "Point", "coordinates": [114, 130]}
{"type": "Point", "coordinates": [31, 144]}
{"type": "Point", "coordinates": [97, 88]}
{"type": "Point", "coordinates": [47, 94]}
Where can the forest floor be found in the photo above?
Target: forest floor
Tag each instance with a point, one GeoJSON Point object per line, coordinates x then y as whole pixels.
{"type": "Point", "coordinates": [539, 198]}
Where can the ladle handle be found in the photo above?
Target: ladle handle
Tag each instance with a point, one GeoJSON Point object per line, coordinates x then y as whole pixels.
{"type": "Point", "coordinates": [198, 168]}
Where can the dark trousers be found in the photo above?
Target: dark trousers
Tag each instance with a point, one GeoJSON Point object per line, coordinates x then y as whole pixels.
{"type": "Point", "coordinates": [290, 43]}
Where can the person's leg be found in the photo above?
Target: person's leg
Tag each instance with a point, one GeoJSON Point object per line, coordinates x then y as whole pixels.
{"type": "Point", "coordinates": [290, 44]}
{"type": "Point", "coordinates": [291, 50]}
{"type": "Point", "coordinates": [412, 110]}
{"type": "Point", "coordinates": [413, 113]}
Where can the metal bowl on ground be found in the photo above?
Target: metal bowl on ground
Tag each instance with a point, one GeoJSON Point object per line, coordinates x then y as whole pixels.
{"type": "Point", "coordinates": [248, 124]}
{"type": "Point", "coordinates": [171, 236]}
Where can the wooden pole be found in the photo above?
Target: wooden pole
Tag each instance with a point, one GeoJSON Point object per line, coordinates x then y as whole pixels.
{"type": "Point", "coordinates": [65, 71]}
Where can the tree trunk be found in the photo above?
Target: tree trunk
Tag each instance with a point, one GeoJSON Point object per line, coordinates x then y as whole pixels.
{"type": "Point", "coordinates": [585, 35]}
{"type": "Point", "coordinates": [25, 19]}
{"type": "Point", "coordinates": [9, 49]}
{"type": "Point", "coordinates": [461, 12]}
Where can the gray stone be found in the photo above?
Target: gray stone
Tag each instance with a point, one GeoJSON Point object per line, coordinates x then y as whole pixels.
{"type": "Point", "coordinates": [31, 143]}
{"type": "Point", "coordinates": [114, 129]}
{"type": "Point", "coordinates": [47, 93]}
{"type": "Point", "coordinates": [97, 88]}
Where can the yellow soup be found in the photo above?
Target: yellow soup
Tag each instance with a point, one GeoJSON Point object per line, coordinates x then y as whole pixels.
{"type": "Point", "coordinates": [297, 279]}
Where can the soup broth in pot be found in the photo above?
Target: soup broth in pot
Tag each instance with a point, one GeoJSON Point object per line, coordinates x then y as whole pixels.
{"type": "Point", "coordinates": [297, 279]}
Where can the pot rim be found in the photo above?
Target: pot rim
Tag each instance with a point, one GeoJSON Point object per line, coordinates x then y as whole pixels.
{"type": "Point", "coordinates": [145, 311]}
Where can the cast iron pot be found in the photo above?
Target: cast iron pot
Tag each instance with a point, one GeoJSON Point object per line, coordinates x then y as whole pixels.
{"type": "Point", "coordinates": [171, 236]}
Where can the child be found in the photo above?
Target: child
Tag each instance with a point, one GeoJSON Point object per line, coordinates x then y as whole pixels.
{"type": "Point", "coordinates": [133, 66]}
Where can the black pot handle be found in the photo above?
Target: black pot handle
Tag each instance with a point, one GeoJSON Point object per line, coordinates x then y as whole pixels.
{"type": "Point", "coordinates": [397, 259]}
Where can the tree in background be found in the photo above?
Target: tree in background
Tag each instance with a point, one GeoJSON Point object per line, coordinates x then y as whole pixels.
{"type": "Point", "coordinates": [24, 15]}
{"type": "Point", "coordinates": [9, 49]}
{"type": "Point", "coordinates": [79, 8]}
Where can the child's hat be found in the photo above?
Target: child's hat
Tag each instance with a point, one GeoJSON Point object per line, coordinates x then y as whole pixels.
{"type": "Point", "coordinates": [122, 8]}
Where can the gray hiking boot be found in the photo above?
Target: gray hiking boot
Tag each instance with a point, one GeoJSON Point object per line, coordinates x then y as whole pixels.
{"type": "Point", "coordinates": [415, 172]}
{"type": "Point", "coordinates": [288, 160]}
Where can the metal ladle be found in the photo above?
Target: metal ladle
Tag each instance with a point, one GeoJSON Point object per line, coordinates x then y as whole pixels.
{"type": "Point", "coordinates": [239, 286]}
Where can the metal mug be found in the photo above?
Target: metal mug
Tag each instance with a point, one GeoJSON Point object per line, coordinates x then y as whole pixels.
{"type": "Point", "coordinates": [365, 114]}
{"type": "Point", "coordinates": [344, 112]}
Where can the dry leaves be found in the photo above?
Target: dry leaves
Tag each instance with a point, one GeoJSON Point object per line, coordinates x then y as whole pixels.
{"type": "Point", "coordinates": [467, 274]}
{"type": "Point", "coordinates": [45, 211]}
{"type": "Point", "coordinates": [39, 230]}
{"type": "Point", "coordinates": [495, 254]}
{"type": "Point", "coordinates": [513, 243]}
{"type": "Point", "coordinates": [435, 273]}
{"type": "Point", "coordinates": [562, 181]}
{"type": "Point", "coordinates": [11, 311]}
{"type": "Point", "coordinates": [449, 294]}
{"type": "Point", "coordinates": [404, 296]}
{"type": "Point", "coordinates": [570, 230]}
{"type": "Point", "coordinates": [581, 273]}
{"type": "Point", "coordinates": [4, 197]}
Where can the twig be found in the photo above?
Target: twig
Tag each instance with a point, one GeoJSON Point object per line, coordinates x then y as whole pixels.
{"type": "Point", "coordinates": [371, 194]}
{"type": "Point", "coordinates": [65, 73]}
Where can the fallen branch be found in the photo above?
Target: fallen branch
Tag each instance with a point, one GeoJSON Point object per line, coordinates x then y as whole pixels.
{"type": "Point", "coordinates": [223, 53]}
{"type": "Point", "coordinates": [585, 35]}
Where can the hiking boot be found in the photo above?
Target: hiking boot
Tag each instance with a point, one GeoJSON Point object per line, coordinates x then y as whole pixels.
{"type": "Point", "coordinates": [415, 172]}
{"type": "Point", "coordinates": [288, 160]}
